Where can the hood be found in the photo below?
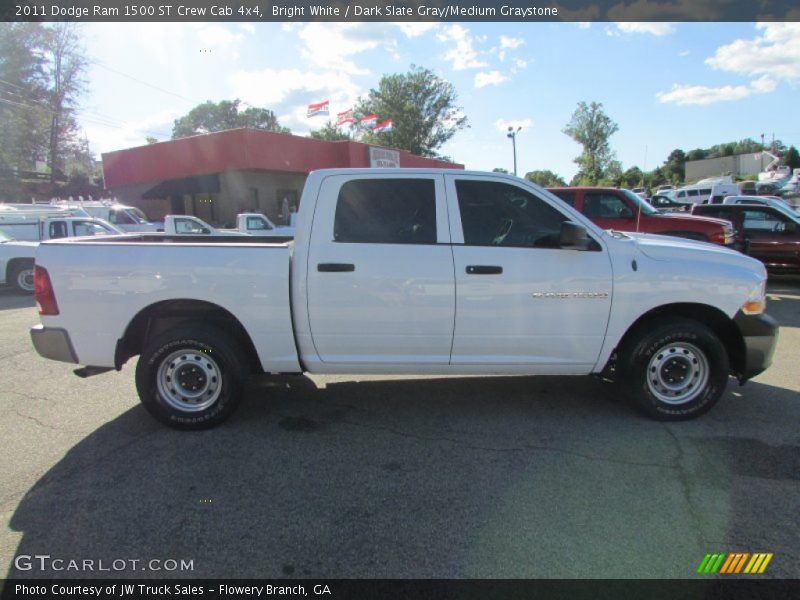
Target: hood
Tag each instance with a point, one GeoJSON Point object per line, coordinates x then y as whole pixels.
{"type": "Point", "coordinates": [668, 248]}
{"type": "Point", "coordinates": [696, 218]}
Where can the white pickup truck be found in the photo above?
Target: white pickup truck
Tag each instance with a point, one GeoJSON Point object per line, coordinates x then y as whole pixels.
{"type": "Point", "coordinates": [246, 224]}
{"type": "Point", "coordinates": [20, 238]}
{"type": "Point", "coordinates": [408, 271]}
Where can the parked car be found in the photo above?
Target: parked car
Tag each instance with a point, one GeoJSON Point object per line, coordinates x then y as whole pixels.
{"type": "Point", "coordinates": [763, 200]}
{"type": "Point", "coordinates": [247, 224]}
{"type": "Point", "coordinates": [641, 192]}
{"type": "Point", "coordinates": [16, 263]}
{"type": "Point", "coordinates": [409, 271]}
{"type": "Point", "coordinates": [664, 203]}
{"type": "Point", "coordinates": [126, 218]}
{"type": "Point", "coordinates": [623, 210]}
{"type": "Point", "coordinates": [769, 233]}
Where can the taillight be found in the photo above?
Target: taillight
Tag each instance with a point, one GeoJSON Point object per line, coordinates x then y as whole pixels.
{"type": "Point", "coordinates": [43, 290]}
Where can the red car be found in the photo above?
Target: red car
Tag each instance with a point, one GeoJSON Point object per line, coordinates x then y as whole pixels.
{"type": "Point", "coordinates": [613, 208]}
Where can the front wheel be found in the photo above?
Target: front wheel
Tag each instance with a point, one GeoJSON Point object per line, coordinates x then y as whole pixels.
{"type": "Point", "coordinates": [22, 278]}
{"type": "Point", "coordinates": [675, 369]}
{"type": "Point", "coordinates": [191, 377]}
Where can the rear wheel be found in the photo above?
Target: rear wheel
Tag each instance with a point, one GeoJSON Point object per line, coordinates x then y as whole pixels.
{"type": "Point", "coordinates": [191, 377]}
{"type": "Point", "coordinates": [22, 277]}
{"type": "Point", "coordinates": [675, 369]}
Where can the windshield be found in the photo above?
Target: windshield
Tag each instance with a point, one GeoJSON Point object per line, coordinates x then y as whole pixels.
{"type": "Point", "coordinates": [640, 203]}
{"type": "Point", "coordinates": [137, 215]}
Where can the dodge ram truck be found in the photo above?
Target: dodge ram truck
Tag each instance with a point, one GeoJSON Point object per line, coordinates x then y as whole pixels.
{"type": "Point", "coordinates": [406, 271]}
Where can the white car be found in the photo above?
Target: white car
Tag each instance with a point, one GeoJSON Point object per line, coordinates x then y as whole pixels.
{"type": "Point", "coordinates": [775, 202]}
{"type": "Point", "coordinates": [417, 271]}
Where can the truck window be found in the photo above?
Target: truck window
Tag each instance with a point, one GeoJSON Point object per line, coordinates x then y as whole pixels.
{"type": "Point", "coordinates": [761, 220]}
{"type": "Point", "coordinates": [188, 226]}
{"type": "Point", "coordinates": [605, 206]}
{"type": "Point", "coordinates": [501, 214]}
{"type": "Point", "coordinates": [257, 224]}
{"type": "Point", "coordinates": [120, 217]}
{"type": "Point", "coordinates": [83, 228]}
{"type": "Point", "coordinates": [386, 211]}
{"type": "Point", "coordinates": [567, 196]}
{"type": "Point", "coordinates": [58, 229]}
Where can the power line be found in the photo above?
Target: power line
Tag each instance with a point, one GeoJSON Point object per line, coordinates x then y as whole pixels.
{"type": "Point", "coordinates": [137, 80]}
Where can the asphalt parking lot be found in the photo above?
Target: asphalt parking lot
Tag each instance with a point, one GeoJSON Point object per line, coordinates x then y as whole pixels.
{"type": "Point", "coordinates": [398, 476]}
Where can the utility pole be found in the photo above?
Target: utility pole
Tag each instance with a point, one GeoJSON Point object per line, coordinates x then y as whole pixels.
{"type": "Point", "coordinates": [513, 135]}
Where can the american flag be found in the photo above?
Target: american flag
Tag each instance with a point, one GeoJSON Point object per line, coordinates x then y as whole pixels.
{"type": "Point", "coordinates": [318, 109]}
{"type": "Point", "coordinates": [345, 118]}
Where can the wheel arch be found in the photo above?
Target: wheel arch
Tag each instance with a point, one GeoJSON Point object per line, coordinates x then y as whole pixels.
{"type": "Point", "coordinates": [14, 263]}
{"type": "Point", "coordinates": [166, 314]}
{"type": "Point", "coordinates": [720, 323]}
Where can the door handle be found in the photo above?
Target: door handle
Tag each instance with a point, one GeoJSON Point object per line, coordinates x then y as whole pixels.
{"type": "Point", "coordinates": [484, 270]}
{"type": "Point", "coordinates": [335, 268]}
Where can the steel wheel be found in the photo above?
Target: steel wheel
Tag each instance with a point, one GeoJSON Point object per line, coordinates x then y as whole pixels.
{"type": "Point", "coordinates": [24, 280]}
{"type": "Point", "coordinates": [189, 380]}
{"type": "Point", "coordinates": [677, 373]}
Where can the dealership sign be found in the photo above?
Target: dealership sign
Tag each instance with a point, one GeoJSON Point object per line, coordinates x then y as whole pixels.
{"type": "Point", "coordinates": [382, 158]}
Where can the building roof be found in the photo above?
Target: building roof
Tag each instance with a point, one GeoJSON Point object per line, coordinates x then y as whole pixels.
{"type": "Point", "coordinates": [240, 149]}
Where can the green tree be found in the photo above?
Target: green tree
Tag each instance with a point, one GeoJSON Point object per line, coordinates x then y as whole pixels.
{"type": "Point", "coordinates": [226, 114]}
{"type": "Point", "coordinates": [24, 102]}
{"type": "Point", "coordinates": [422, 107]}
{"type": "Point", "coordinates": [151, 140]}
{"type": "Point", "coordinates": [545, 178]}
{"type": "Point", "coordinates": [66, 66]}
{"type": "Point", "coordinates": [674, 168]}
{"type": "Point", "coordinates": [696, 154]}
{"type": "Point", "coordinates": [791, 158]}
{"type": "Point", "coordinates": [633, 177]}
{"type": "Point", "coordinates": [591, 128]}
{"type": "Point", "coordinates": [330, 132]}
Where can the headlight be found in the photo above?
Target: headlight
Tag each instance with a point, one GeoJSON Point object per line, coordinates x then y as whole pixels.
{"type": "Point", "coordinates": [756, 302]}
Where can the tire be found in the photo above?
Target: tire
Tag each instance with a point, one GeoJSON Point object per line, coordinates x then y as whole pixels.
{"type": "Point", "coordinates": [675, 369]}
{"type": "Point", "coordinates": [21, 277]}
{"type": "Point", "coordinates": [191, 377]}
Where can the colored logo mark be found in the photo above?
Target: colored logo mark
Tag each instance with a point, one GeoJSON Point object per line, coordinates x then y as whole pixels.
{"type": "Point", "coordinates": [733, 563]}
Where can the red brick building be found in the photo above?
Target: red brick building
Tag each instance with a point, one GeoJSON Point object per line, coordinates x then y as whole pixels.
{"type": "Point", "coordinates": [218, 175]}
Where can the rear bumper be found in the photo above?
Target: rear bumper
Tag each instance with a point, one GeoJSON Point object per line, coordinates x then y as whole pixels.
{"type": "Point", "coordinates": [760, 335]}
{"type": "Point", "coordinates": [53, 343]}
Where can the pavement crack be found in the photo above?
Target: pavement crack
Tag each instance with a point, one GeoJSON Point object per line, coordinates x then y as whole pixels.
{"type": "Point", "coordinates": [686, 487]}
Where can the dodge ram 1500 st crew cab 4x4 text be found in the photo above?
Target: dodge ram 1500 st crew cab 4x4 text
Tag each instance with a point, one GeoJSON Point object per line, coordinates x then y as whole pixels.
{"type": "Point", "coordinates": [408, 271]}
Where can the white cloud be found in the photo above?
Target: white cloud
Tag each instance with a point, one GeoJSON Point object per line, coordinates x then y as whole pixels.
{"type": "Point", "coordinates": [776, 52]}
{"type": "Point", "coordinates": [703, 95]}
{"type": "Point", "coordinates": [657, 29]}
{"type": "Point", "coordinates": [413, 30]}
{"type": "Point", "coordinates": [332, 45]}
{"type": "Point", "coordinates": [483, 78]}
{"type": "Point", "coordinates": [248, 27]}
{"type": "Point", "coordinates": [462, 55]}
{"type": "Point", "coordinates": [583, 24]}
{"type": "Point", "coordinates": [127, 134]}
{"type": "Point", "coordinates": [503, 125]}
{"type": "Point", "coordinates": [510, 42]}
{"type": "Point", "coordinates": [684, 53]}
{"type": "Point", "coordinates": [520, 63]}
{"type": "Point", "coordinates": [287, 92]}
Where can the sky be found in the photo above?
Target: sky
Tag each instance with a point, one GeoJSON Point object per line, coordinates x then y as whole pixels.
{"type": "Point", "coordinates": [667, 85]}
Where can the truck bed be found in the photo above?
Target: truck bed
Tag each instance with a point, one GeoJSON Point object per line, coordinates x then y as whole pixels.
{"type": "Point", "coordinates": [102, 283]}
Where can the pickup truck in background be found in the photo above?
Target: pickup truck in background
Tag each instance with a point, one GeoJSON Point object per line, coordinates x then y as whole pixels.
{"type": "Point", "coordinates": [407, 271]}
{"type": "Point", "coordinates": [622, 210]}
{"type": "Point", "coordinates": [17, 254]}
{"type": "Point", "coordinates": [247, 224]}
{"type": "Point", "coordinates": [770, 233]}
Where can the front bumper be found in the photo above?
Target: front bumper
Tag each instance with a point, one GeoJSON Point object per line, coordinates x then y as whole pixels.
{"type": "Point", "coordinates": [53, 343]}
{"type": "Point", "coordinates": [760, 335]}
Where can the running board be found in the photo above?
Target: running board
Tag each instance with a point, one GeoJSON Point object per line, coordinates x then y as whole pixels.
{"type": "Point", "coordinates": [85, 372]}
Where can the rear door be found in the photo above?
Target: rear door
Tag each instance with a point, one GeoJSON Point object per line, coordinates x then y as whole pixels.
{"type": "Point", "coordinates": [520, 299]}
{"type": "Point", "coordinates": [380, 271]}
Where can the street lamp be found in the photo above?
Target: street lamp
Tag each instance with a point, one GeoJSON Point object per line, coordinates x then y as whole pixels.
{"type": "Point", "coordinates": [512, 133]}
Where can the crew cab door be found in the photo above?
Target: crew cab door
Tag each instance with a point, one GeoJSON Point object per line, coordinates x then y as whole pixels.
{"type": "Point", "coordinates": [520, 298]}
{"type": "Point", "coordinates": [380, 284]}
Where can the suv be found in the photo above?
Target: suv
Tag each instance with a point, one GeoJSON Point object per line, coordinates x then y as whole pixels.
{"type": "Point", "coordinates": [769, 233]}
{"type": "Point", "coordinates": [613, 208]}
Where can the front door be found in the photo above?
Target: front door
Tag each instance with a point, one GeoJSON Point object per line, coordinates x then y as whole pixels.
{"type": "Point", "coordinates": [520, 298]}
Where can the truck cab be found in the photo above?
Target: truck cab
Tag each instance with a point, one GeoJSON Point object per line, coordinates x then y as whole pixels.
{"type": "Point", "coordinates": [258, 224]}
{"type": "Point", "coordinates": [622, 210]}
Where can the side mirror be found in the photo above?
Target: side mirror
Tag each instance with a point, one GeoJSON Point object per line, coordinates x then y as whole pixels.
{"type": "Point", "coordinates": [573, 236]}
